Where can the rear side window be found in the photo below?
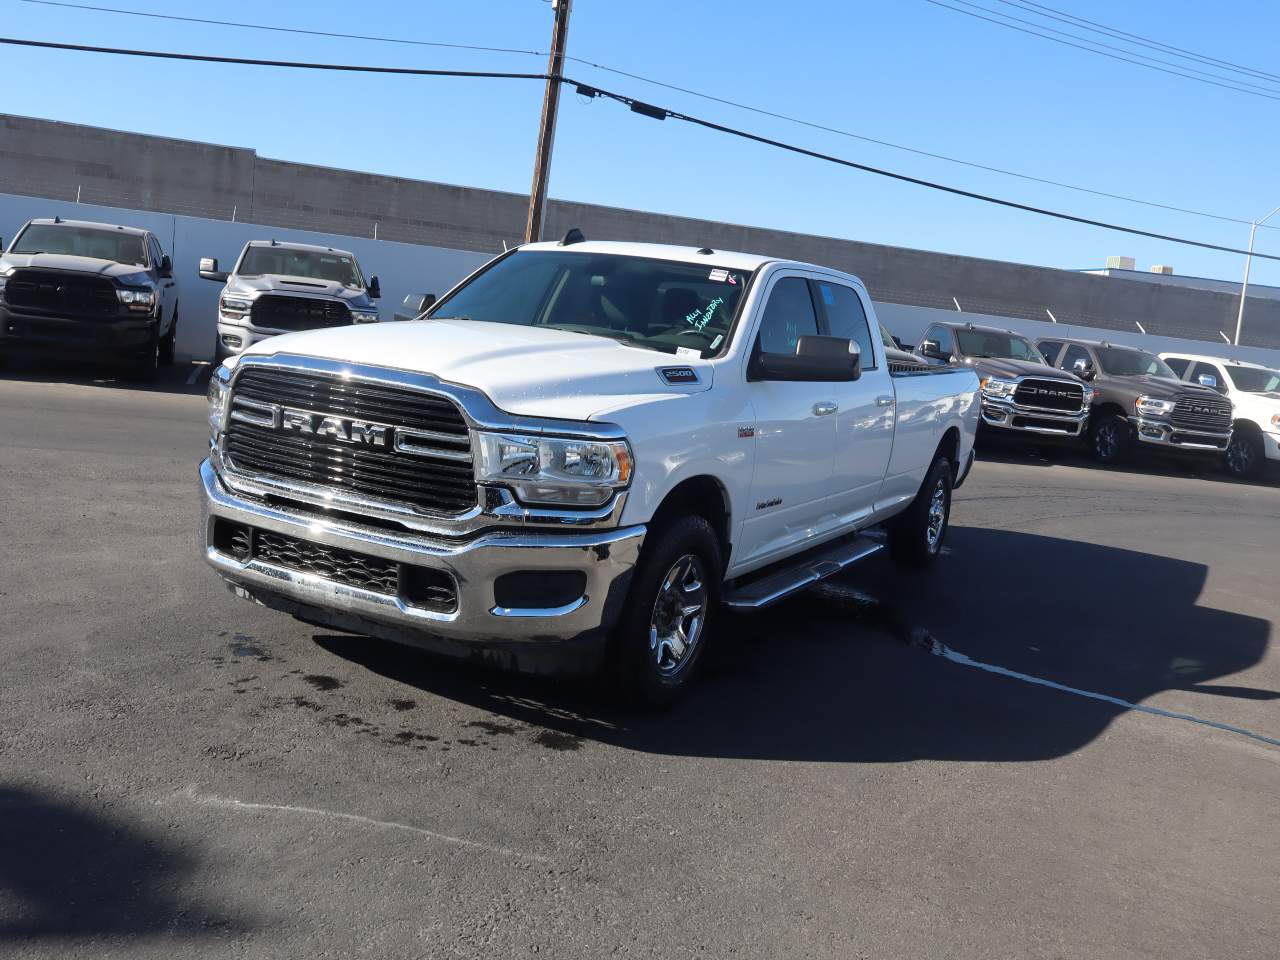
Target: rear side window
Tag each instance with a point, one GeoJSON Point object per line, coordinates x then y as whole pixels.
{"type": "Point", "coordinates": [1178, 365]}
{"type": "Point", "coordinates": [788, 316]}
{"type": "Point", "coordinates": [846, 318]}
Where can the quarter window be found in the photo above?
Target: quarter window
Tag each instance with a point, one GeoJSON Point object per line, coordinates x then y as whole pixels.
{"type": "Point", "coordinates": [788, 316]}
{"type": "Point", "coordinates": [847, 319]}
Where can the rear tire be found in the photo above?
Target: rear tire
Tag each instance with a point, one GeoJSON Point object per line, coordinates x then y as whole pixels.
{"type": "Point", "coordinates": [1110, 438]}
{"type": "Point", "coordinates": [675, 589]}
{"type": "Point", "coordinates": [917, 535]}
{"type": "Point", "coordinates": [1245, 457]}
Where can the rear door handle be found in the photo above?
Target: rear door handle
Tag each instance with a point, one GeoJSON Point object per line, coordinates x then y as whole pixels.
{"type": "Point", "coordinates": [824, 409]}
{"type": "Point", "coordinates": [884, 401]}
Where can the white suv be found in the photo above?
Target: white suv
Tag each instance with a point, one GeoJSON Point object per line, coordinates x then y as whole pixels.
{"type": "Point", "coordinates": [1255, 392]}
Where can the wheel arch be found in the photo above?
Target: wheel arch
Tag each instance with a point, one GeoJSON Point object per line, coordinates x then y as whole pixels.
{"type": "Point", "coordinates": [704, 496]}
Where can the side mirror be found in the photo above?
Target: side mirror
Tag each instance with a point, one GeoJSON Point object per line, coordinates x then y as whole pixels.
{"type": "Point", "coordinates": [1, 244]}
{"type": "Point", "coordinates": [166, 266]}
{"type": "Point", "coordinates": [415, 305]}
{"type": "Point", "coordinates": [1208, 380]}
{"type": "Point", "coordinates": [816, 360]}
{"type": "Point", "coordinates": [1083, 369]}
{"type": "Point", "coordinates": [375, 288]}
{"type": "Point", "coordinates": [209, 270]}
{"type": "Point", "coordinates": [933, 350]}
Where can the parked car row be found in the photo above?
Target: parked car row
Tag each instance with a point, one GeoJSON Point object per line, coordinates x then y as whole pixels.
{"type": "Point", "coordinates": [1116, 398]}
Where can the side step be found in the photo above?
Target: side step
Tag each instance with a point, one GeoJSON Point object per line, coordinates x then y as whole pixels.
{"type": "Point", "coordinates": [811, 568]}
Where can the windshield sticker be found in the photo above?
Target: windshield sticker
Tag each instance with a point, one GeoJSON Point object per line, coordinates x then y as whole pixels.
{"type": "Point", "coordinates": [700, 318]}
{"type": "Point", "coordinates": [719, 275]}
{"type": "Point", "coordinates": [688, 352]}
{"type": "Point", "coordinates": [828, 297]}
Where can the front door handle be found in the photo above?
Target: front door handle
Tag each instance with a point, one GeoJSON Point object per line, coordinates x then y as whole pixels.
{"type": "Point", "coordinates": [884, 401]}
{"type": "Point", "coordinates": [824, 409]}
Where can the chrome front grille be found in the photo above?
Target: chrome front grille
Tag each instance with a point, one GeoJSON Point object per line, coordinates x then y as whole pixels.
{"type": "Point", "coordinates": [1209, 414]}
{"type": "Point", "coordinates": [1059, 395]}
{"type": "Point", "coordinates": [380, 442]}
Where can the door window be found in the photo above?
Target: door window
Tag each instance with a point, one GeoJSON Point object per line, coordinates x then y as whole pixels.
{"type": "Point", "coordinates": [846, 318]}
{"type": "Point", "coordinates": [788, 316]}
{"type": "Point", "coordinates": [1075, 352]}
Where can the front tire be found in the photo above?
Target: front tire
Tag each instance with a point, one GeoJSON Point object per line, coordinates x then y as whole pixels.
{"type": "Point", "coordinates": [147, 367]}
{"type": "Point", "coordinates": [169, 342]}
{"type": "Point", "coordinates": [916, 535]}
{"type": "Point", "coordinates": [1110, 438]}
{"type": "Point", "coordinates": [675, 590]}
{"type": "Point", "coordinates": [1245, 457]}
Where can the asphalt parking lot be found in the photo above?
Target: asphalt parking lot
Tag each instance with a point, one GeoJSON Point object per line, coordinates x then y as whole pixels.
{"type": "Point", "coordinates": [890, 767]}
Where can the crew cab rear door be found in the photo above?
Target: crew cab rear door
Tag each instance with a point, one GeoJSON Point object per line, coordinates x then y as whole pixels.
{"type": "Point", "coordinates": [794, 432]}
{"type": "Point", "coordinates": [865, 420]}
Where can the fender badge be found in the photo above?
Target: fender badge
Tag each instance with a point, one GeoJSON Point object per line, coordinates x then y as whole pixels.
{"type": "Point", "coordinates": [678, 375]}
{"type": "Point", "coordinates": [745, 433]}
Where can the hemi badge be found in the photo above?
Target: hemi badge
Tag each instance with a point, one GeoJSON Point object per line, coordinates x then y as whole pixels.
{"type": "Point", "coordinates": [678, 375]}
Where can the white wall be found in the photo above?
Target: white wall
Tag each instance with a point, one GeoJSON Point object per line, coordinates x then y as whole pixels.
{"type": "Point", "coordinates": [909, 323]}
{"type": "Point", "coordinates": [402, 268]}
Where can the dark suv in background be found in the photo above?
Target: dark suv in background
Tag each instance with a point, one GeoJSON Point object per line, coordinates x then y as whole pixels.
{"type": "Point", "coordinates": [1022, 395]}
{"type": "Point", "coordinates": [1138, 399]}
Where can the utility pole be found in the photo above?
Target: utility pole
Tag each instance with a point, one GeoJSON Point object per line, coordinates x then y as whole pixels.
{"type": "Point", "coordinates": [1248, 262]}
{"type": "Point", "coordinates": [547, 130]}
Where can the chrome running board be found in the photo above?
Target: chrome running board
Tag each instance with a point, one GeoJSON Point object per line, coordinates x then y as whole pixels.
{"type": "Point", "coordinates": [812, 567]}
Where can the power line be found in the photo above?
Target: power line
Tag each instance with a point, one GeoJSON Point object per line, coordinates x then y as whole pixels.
{"type": "Point", "coordinates": [679, 89]}
{"type": "Point", "coordinates": [649, 110]}
{"type": "Point", "coordinates": [1095, 27]}
{"type": "Point", "coordinates": [1223, 82]}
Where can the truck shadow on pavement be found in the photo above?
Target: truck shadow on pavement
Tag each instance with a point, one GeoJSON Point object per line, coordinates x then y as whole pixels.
{"type": "Point", "coordinates": [1139, 463]}
{"type": "Point", "coordinates": [831, 676]}
{"type": "Point", "coordinates": [171, 379]}
{"type": "Point", "coordinates": [68, 872]}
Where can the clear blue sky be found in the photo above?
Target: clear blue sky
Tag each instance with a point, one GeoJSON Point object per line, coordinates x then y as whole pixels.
{"type": "Point", "coordinates": [899, 70]}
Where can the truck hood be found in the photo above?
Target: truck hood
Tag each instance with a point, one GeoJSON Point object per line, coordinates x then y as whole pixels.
{"type": "Point", "coordinates": [297, 286]}
{"type": "Point", "coordinates": [62, 261]}
{"type": "Point", "coordinates": [1005, 367]}
{"type": "Point", "coordinates": [526, 371]}
{"type": "Point", "coordinates": [1167, 389]}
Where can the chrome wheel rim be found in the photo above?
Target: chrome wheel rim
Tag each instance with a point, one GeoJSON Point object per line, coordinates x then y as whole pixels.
{"type": "Point", "coordinates": [679, 614]}
{"type": "Point", "coordinates": [1108, 441]}
{"type": "Point", "coordinates": [937, 517]}
{"type": "Point", "coordinates": [1240, 456]}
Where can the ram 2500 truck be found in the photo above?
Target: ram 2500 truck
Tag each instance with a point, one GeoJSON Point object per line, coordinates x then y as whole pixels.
{"type": "Point", "coordinates": [1254, 392]}
{"type": "Point", "coordinates": [70, 288]}
{"type": "Point", "coordinates": [280, 288]}
{"type": "Point", "coordinates": [1022, 396]}
{"type": "Point", "coordinates": [1138, 399]}
{"type": "Point", "coordinates": [580, 454]}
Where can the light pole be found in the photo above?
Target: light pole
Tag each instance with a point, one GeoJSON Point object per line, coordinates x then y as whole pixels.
{"type": "Point", "coordinates": [1248, 262]}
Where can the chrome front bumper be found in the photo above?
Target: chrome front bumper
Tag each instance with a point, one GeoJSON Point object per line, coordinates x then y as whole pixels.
{"type": "Point", "coordinates": [1162, 434]}
{"type": "Point", "coordinates": [1016, 418]}
{"type": "Point", "coordinates": [478, 626]}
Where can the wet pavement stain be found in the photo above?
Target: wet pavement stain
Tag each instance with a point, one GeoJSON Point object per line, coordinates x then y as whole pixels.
{"type": "Point", "coordinates": [495, 729]}
{"type": "Point", "coordinates": [321, 682]}
{"type": "Point", "coordinates": [302, 703]}
{"type": "Point", "coordinates": [345, 720]}
{"type": "Point", "coordinates": [554, 740]}
{"type": "Point", "coordinates": [402, 704]}
{"type": "Point", "coordinates": [243, 645]}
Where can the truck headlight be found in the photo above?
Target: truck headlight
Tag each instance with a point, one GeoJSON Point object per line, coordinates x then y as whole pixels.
{"type": "Point", "coordinates": [234, 308]}
{"type": "Point", "coordinates": [1153, 407]}
{"type": "Point", "coordinates": [1275, 420]}
{"type": "Point", "coordinates": [219, 390]}
{"type": "Point", "coordinates": [137, 299]}
{"type": "Point", "coordinates": [550, 470]}
{"type": "Point", "coordinates": [1088, 397]}
{"type": "Point", "coordinates": [998, 389]}
{"type": "Point", "coordinates": [364, 316]}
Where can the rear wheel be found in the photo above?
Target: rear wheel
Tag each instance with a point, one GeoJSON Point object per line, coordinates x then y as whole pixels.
{"type": "Point", "coordinates": [675, 589]}
{"type": "Point", "coordinates": [1245, 457]}
{"type": "Point", "coordinates": [917, 534]}
{"type": "Point", "coordinates": [1110, 438]}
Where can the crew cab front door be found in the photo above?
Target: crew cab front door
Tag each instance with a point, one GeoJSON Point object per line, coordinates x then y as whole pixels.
{"type": "Point", "coordinates": [795, 433]}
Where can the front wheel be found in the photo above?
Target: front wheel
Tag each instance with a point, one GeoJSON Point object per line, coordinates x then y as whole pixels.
{"type": "Point", "coordinates": [675, 590]}
{"type": "Point", "coordinates": [147, 367]}
{"type": "Point", "coordinates": [917, 534]}
{"type": "Point", "coordinates": [1245, 457]}
{"type": "Point", "coordinates": [169, 342]}
{"type": "Point", "coordinates": [1109, 438]}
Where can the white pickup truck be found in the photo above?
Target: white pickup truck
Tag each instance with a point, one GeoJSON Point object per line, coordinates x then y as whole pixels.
{"type": "Point", "coordinates": [578, 456]}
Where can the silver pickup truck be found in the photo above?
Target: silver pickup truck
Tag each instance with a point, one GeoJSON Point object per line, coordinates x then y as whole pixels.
{"type": "Point", "coordinates": [280, 288]}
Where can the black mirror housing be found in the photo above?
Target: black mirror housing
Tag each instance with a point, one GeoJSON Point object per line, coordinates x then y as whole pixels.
{"type": "Point", "coordinates": [166, 266]}
{"type": "Point", "coordinates": [1083, 369]}
{"type": "Point", "coordinates": [374, 289]}
{"type": "Point", "coordinates": [415, 305]}
{"type": "Point", "coordinates": [208, 270]}
{"type": "Point", "coordinates": [816, 360]}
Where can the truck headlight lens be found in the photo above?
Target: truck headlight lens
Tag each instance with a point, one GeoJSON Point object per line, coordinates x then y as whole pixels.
{"type": "Point", "coordinates": [364, 316]}
{"type": "Point", "coordinates": [1275, 420]}
{"type": "Point", "coordinates": [1088, 396]}
{"type": "Point", "coordinates": [550, 470]}
{"type": "Point", "coordinates": [219, 390]}
{"type": "Point", "coordinates": [233, 308]}
{"type": "Point", "coordinates": [1153, 407]}
{"type": "Point", "coordinates": [998, 389]}
{"type": "Point", "coordinates": [137, 299]}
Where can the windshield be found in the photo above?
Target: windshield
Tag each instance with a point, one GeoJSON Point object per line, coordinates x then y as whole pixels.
{"type": "Point", "coordinates": [1132, 363]}
{"type": "Point", "coordinates": [316, 264]}
{"type": "Point", "coordinates": [1254, 380]}
{"type": "Point", "coordinates": [655, 304]}
{"type": "Point", "coordinates": [113, 245]}
{"type": "Point", "coordinates": [1004, 346]}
